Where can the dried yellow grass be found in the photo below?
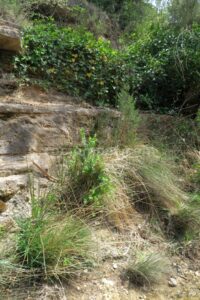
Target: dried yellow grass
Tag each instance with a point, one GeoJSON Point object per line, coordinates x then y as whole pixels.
{"type": "Point", "coordinates": [146, 177]}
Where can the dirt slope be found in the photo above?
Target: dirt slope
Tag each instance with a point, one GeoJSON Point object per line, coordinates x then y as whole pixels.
{"type": "Point", "coordinates": [34, 126]}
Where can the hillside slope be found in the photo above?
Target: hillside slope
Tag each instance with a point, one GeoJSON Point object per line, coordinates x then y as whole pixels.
{"type": "Point", "coordinates": [35, 126]}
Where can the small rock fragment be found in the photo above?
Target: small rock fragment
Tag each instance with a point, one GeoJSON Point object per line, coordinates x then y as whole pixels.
{"type": "Point", "coordinates": [142, 297]}
{"type": "Point", "coordinates": [85, 271]}
{"type": "Point", "coordinates": [108, 282]}
{"type": "Point", "coordinates": [172, 282]}
{"type": "Point", "coordinates": [197, 273]}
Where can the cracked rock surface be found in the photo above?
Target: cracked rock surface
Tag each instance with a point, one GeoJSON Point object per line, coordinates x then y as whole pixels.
{"type": "Point", "coordinates": [34, 127]}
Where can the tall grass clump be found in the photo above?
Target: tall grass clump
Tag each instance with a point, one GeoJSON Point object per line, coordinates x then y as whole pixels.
{"type": "Point", "coordinates": [188, 219]}
{"type": "Point", "coordinates": [52, 244]}
{"type": "Point", "coordinates": [147, 269]}
{"type": "Point", "coordinates": [149, 177]}
{"type": "Point", "coordinates": [187, 222]}
{"type": "Point", "coordinates": [150, 183]}
{"type": "Point", "coordinates": [14, 275]}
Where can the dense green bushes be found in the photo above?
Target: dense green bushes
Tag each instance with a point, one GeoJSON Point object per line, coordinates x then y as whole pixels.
{"type": "Point", "coordinates": [164, 66]}
{"type": "Point", "coordinates": [71, 60]}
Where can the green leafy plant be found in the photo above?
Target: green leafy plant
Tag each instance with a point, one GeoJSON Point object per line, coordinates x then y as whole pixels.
{"type": "Point", "coordinates": [86, 175]}
{"type": "Point", "coordinates": [164, 68]}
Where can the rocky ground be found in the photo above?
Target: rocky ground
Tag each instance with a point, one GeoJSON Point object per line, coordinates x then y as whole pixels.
{"type": "Point", "coordinates": [105, 282]}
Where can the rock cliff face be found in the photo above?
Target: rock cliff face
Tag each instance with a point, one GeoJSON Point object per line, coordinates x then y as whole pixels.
{"type": "Point", "coordinates": [34, 127]}
{"type": "Point", "coordinates": [9, 37]}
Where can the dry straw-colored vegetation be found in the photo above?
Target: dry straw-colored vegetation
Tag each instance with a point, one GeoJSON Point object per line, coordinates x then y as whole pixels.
{"type": "Point", "coordinates": [147, 268]}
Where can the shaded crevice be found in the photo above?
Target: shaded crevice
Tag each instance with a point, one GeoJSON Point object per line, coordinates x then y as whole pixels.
{"type": "Point", "coordinates": [7, 116]}
{"type": "Point", "coordinates": [7, 197]}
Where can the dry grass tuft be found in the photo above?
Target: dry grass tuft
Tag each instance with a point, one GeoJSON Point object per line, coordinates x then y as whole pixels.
{"type": "Point", "coordinates": [147, 269]}
{"type": "Point", "coordinates": [119, 211]}
{"type": "Point", "coordinates": [148, 177]}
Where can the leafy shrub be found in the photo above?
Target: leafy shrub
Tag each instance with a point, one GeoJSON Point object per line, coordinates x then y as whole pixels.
{"type": "Point", "coordinates": [146, 269]}
{"type": "Point", "coordinates": [165, 65]}
{"type": "Point", "coordinates": [86, 176]}
{"type": "Point", "coordinates": [71, 60]}
{"type": "Point", "coordinates": [53, 244]}
{"type": "Point", "coordinates": [134, 14]}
